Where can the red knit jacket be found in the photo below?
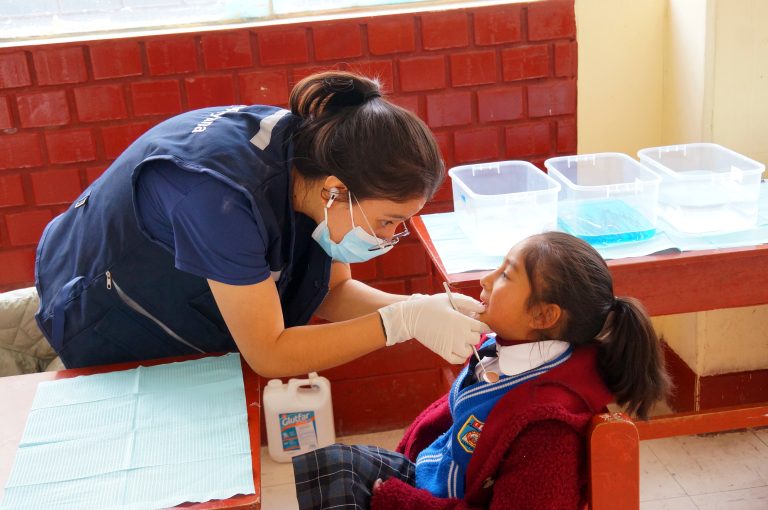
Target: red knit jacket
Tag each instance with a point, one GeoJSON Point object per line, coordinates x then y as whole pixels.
{"type": "Point", "coordinates": [531, 453]}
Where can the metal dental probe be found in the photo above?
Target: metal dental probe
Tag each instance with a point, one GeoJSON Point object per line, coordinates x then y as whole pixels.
{"type": "Point", "coordinates": [487, 377]}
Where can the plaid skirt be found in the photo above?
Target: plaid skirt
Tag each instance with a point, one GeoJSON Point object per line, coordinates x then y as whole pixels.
{"type": "Point", "coordinates": [342, 476]}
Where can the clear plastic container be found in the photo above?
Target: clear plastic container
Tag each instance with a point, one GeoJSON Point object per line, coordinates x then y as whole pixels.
{"type": "Point", "coordinates": [498, 204]}
{"type": "Point", "coordinates": [705, 187]}
{"type": "Point", "coordinates": [605, 198]}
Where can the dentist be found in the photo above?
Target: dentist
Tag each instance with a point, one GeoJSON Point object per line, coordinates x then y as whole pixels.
{"type": "Point", "coordinates": [228, 228]}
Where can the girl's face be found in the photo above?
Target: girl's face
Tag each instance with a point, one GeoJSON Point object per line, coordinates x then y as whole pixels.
{"type": "Point", "coordinates": [505, 294]}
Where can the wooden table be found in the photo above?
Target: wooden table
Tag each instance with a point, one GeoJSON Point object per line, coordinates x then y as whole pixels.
{"type": "Point", "coordinates": [17, 393]}
{"type": "Point", "coordinates": [693, 281]}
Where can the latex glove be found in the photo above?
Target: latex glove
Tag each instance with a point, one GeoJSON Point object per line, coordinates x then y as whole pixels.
{"type": "Point", "coordinates": [432, 321]}
{"type": "Point", "coordinates": [464, 304]}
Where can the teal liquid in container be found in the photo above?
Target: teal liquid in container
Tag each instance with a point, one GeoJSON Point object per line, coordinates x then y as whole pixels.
{"type": "Point", "coordinates": [601, 222]}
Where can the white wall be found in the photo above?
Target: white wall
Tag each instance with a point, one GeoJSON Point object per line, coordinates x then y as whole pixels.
{"type": "Point", "coordinates": [621, 46]}
{"type": "Point", "coordinates": [740, 78]}
{"type": "Point", "coordinates": [719, 341]}
{"type": "Point", "coordinates": [657, 72]}
{"type": "Point", "coordinates": [685, 89]}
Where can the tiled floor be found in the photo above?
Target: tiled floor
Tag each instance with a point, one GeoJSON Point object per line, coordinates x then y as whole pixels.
{"type": "Point", "coordinates": [277, 479]}
{"type": "Point", "coordinates": [715, 472]}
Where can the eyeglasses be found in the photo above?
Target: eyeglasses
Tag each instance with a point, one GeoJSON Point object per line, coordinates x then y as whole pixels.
{"type": "Point", "coordinates": [383, 243]}
{"type": "Point", "coordinates": [392, 240]}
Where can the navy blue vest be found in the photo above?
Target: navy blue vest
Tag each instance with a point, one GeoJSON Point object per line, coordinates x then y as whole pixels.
{"type": "Point", "coordinates": [109, 294]}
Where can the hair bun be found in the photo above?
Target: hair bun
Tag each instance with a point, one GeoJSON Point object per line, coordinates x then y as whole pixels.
{"type": "Point", "coordinates": [338, 84]}
{"type": "Point", "coordinates": [347, 91]}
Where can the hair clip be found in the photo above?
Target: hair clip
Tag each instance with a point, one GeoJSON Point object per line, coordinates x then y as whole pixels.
{"type": "Point", "coordinates": [338, 84]}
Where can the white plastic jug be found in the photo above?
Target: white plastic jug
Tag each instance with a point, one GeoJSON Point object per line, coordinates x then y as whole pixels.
{"type": "Point", "coordinates": [299, 416]}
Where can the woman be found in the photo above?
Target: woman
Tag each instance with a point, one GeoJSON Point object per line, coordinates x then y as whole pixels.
{"type": "Point", "coordinates": [228, 228]}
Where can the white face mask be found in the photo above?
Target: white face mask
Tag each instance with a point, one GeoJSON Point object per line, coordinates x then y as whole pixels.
{"type": "Point", "coordinates": [356, 246]}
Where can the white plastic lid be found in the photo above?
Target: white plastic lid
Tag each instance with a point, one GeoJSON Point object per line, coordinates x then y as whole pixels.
{"type": "Point", "coordinates": [275, 383]}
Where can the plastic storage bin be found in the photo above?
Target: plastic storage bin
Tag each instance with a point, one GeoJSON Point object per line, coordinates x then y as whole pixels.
{"type": "Point", "coordinates": [705, 187]}
{"type": "Point", "coordinates": [605, 198]}
{"type": "Point", "coordinates": [298, 415]}
{"type": "Point", "coordinates": [498, 204]}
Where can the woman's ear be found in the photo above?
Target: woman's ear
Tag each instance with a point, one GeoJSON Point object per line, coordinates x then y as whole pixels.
{"type": "Point", "coordinates": [334, 182]}
{"type": "Point", "coordinates": [546, 316]}
{"type": "Point", "coordinates": [333, 189]}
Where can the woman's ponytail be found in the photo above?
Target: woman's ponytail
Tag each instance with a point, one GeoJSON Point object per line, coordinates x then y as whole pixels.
{"type": "Point", "coordinates": [330, 91]}
{"type": "Point", "coordinates": [630, 357]}
{"type": "Point", "coordinates": [376, 148]}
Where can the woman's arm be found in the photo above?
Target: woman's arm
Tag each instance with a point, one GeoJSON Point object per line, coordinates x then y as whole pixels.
{"type": "Point", "coordinates": [349, 299]}
{"type": "Point", "coordinates": [255, 320]}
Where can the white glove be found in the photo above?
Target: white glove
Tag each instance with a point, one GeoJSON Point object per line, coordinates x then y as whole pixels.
{"type": "Point", "coordinates": [432, 321]}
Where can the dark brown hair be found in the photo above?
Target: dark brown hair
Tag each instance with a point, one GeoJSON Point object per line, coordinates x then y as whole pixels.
{"type": "Point", "coordinates": [376, 148]}
{"type": "Point", "coordinates": [566, 271]}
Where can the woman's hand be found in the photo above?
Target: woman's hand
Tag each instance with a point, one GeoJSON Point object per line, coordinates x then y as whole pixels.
{"type": "Point", "coordinates": [432, 321]}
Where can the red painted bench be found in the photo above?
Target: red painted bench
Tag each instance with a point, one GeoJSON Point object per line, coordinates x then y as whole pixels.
{"type": "Point", "coordinates": [614, 447]}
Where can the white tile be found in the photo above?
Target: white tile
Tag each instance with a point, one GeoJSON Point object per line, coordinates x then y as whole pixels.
{"type": "Point", "coordinates": [274, 473]}
{"type": "Point", "coordinates": [387, 439]}
{"type": "Point", "coordinates": [761, 460]}
{"type": "Point", "coordinates": [656, 482]}
{"type": "Point", "coordinates": [714, 463]}
{"type": "Point", "coordinates": [745, 499]}
{"type": "Point", "coordinates": [279, 497]}
{"type": "Point", "coordinates": [762, 435]}
{"type": "Point", "coordinates": [281, 473]}
{"type": "Point", "coordinates": [683, 503]}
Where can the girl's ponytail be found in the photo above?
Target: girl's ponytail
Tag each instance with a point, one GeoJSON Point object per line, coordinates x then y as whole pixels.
{"type": "Point", "coordinates": [630, 357]}
{"type": "Point", "coordinates": [566, 271]}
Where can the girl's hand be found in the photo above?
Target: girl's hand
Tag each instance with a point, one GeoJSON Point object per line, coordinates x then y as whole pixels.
{"type": "Point", "coordinates": [377, 484]}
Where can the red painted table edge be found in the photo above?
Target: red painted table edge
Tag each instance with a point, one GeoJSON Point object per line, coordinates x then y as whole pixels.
{"type": "Point", "coordinates": [661, 270]}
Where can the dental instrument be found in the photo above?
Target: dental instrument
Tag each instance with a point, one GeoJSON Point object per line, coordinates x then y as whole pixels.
{"type": "Point", "coordinates": [489, 377]}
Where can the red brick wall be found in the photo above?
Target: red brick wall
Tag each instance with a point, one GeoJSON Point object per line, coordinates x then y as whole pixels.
{"type": "Point", "coordinates": [492, 83]}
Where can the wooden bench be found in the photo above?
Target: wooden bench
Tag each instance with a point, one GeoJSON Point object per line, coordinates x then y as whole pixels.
{"type": "Point", "coordinates": [614, 447]}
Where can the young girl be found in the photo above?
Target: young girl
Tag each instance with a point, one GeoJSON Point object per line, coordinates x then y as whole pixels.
{"type": "Point", "coordinates": [564, 348]}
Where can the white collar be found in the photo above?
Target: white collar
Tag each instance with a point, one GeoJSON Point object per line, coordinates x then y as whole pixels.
{"type": "Point", "coordinates": [518, 358]}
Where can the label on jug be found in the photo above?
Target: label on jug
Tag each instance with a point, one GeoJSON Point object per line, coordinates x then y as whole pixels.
{"type": "Point", "coordinates": [298, 430]}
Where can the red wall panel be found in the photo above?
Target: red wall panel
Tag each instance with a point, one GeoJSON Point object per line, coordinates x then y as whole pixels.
{"type": "Point", "coordinates": [57, 65]}
{"type": "Point", "coordinates": [334, 41]}
{"type": "Point", "coordinates": [392, 34]}
{"type": "Point", "coordinates": [40, 109]}
{"type": "Point", "coordinates": [14, 70]}
{"type": "Point", "coordinates": [499, 25]}
{"type": "Point", "coordinates": [445, 30]}
{"type": "Point", "coordinates": [115, 59]}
